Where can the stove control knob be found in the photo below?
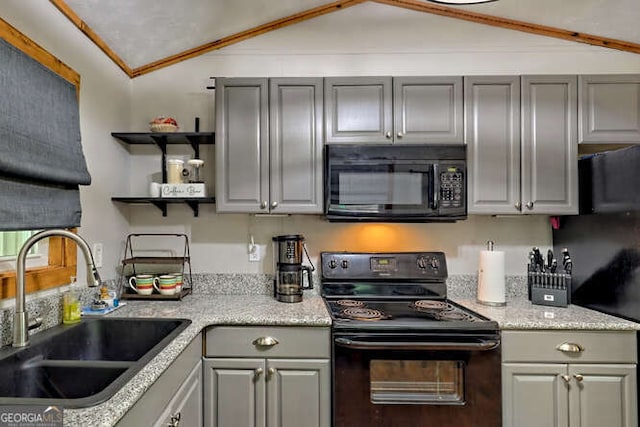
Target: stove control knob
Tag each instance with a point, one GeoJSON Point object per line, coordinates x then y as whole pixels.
{"type": "Point", "coordinates": [422, 263]}
{"type": "Point", "coordinates": [435, 263]}
{"type": "Point", "coordinates": [345, 263]}
{"type": "Point", "coordinates": [333, 263]}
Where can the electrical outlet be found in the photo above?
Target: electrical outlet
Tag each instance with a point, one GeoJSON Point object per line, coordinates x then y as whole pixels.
{"type": "Point", "coordinates": [255, 253]}
{"type": "Point", "coordinates": [97, 254]}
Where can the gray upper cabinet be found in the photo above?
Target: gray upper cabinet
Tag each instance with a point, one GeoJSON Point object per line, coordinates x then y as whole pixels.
{"type": "Point", "coordinates": [522, 139]}
{"type": "Point", "coordinates": [428, 110]}
{"type": "Point", "coordinates": [549, 145]}
{"type": "Point", "coordinates": [609, 108]}
{"type": "Point", "coordinates": [358, 109]}
{"type": "Point", "coordinates": [492, 120]}
{"type": "Point", "coordinates": [269, 148]}
{"type": "Point", "coordinates": [388, 110]}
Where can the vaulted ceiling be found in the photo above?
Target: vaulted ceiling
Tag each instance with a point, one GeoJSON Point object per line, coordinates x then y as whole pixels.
{"type": "Point", "coordinates": [144, 35]}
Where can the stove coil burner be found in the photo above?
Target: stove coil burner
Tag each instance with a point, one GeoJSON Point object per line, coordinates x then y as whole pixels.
{"type": "Point", "coordinates": [432, 305]}
{"type": "Point", "coordinates": [360, 313]}
{"type": "Point", "coordinates": [350, 303]}
{"type": "Point", "coordinates": [454, 315]}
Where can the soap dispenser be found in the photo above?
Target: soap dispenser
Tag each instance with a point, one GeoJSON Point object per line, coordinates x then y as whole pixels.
{"type": "Point", "coordinates": [71, 307]}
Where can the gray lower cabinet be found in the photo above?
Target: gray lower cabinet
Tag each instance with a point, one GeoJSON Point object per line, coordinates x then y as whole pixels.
{"type": "Point", "coordinates": [569, 379]}
{"type": "Point", "coordinates": [267, 377]}
{"type": "Point", "coordinates": [269, 145]}
{"type": "Point", "coordinates": [176, 396]}
{"type": "Point", "coordinates": [402, 110]}
{"type": "Point", "coordinates": [609, 108]}
{"type": "Point", "coordinates": [522, 144]}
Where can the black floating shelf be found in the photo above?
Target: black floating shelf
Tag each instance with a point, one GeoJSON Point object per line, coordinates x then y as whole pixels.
{"type": "Point", "coordinates": [161, 203]}
{"type": "Point", "coordinates": [167, 137]}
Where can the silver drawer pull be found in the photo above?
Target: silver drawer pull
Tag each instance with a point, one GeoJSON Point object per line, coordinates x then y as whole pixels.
{"type": "Point", "coordinates": [265, 342]}
{"type": "Point", "coordinates": [578, 377]}
{"type": "Point", "coordinates": [566, 378]}
{"type": "Point", "coordinates": [569, 347]}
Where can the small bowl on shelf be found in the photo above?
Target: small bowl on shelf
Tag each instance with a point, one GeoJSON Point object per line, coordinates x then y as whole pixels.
{"type": "Point", "coordinates": [162, 127]}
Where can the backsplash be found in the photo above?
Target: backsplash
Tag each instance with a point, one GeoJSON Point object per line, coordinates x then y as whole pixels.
{"type": "Point", "coordinates": [50, 307]}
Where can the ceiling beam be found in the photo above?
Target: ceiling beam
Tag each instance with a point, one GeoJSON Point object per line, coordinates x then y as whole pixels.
{"type": "Point", "coordinates": [82, 26]}
{"type": "Point", "coordinates": [512, 24]}
{"type": "Point", "coordinates": [244, 35]}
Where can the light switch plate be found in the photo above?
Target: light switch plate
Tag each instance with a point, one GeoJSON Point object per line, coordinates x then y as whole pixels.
{"type": "Point", "coordinates": [97, 254]}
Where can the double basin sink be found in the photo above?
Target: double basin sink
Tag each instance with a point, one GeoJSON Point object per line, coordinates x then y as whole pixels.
{"type": "Point", "coordinates": [84, 364]}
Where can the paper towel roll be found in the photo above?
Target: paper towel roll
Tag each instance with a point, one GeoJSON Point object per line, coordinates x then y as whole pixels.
{"type": "Point", "coordinates": [491, 288]}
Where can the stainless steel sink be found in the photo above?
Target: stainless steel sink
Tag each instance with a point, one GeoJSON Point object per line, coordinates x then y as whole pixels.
{"type": "Point", "coordinates": [81, 365]}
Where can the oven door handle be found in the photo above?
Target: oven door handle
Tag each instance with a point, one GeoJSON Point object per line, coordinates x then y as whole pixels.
{"type": "Point", "coordinates": [481, 345]}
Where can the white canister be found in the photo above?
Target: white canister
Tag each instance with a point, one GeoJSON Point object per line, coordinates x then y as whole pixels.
{"type": "Point", "coordinates": [491, 277]}
{"type": "Point", "coordinates": [174, 171]}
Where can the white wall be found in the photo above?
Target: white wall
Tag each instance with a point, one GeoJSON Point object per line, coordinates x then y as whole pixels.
{"type": "Point", "coordinates": [104, 107]}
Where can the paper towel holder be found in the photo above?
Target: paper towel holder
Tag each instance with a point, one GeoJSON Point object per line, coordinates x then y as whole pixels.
{"type": "Point", "coordinates": [491, 288]}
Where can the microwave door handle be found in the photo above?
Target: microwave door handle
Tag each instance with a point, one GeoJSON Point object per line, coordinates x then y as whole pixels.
{"type": "Point", "coordinates": [435, 183]}
{"type": "Point", "coordinates": [481, 345]}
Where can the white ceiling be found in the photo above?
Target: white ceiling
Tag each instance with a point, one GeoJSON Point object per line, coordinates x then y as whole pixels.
{"type": "Point", "coordinates": [144, 31]}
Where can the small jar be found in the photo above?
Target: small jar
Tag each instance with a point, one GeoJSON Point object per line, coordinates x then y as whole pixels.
{"type": "Point", "coordinates": [174, 171]}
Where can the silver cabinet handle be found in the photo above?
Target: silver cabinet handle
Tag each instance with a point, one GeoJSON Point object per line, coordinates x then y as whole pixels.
{"type": "Point", "coordinates": [263, 205]}
{"type": "Point", "coordinates": [566, 378]}
{"type": "Point", "coordinates": [518, 206]}
{"type": "Point", "coordinates": [569, 347]}
{"type": "Point", "coordinates": [388, 135]}
{"type": "Point", "coordinates": [175, 420]}
{"type": "Point", "coordinates": [271, 372]}
{"type": "Point", "coordinates": [258, 372]}
{"type": "Point", "coordinates": [400, 135]}
{"type": "Point", "coordinates": [530, 205]}
{"type": "Point", "coordinates": [274, 205]}
{"type": "Point", "coordinates": [265, 342]}
{"type": "Point", "coordinates": [578, 377]}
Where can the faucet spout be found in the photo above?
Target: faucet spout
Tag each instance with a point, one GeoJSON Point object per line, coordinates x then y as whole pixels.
{"type": "Point", "coordinates": [20, 318]}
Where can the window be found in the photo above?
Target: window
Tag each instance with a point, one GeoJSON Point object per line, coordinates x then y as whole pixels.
{"type": "Point", "coordinates": [59, 260]}
{"type": "Point", "coordinates": [10, 244]}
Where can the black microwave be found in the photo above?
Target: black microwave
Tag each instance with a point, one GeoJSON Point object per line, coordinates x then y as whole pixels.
{"type": "Point", "coordinates": [395, 183]}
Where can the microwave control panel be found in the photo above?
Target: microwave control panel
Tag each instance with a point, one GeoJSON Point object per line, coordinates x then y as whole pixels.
{"type": "Point", "coordinates": [452, 187]}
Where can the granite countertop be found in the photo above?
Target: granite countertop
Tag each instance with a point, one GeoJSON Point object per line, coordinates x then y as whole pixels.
{"type": "Point", "coordinates": [207, 310]}
{"type": "Point", "coordinates": [203, 311]}
{"type": "Point", "coordinates": [519, 313]}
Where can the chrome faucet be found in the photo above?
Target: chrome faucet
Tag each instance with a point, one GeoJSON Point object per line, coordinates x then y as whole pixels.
{"type": "Point", "coordinates": [21, 318]}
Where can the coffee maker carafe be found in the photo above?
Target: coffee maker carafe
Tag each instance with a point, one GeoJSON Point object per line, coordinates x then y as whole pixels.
{"type": "Point", "coordinates": [289, 281]}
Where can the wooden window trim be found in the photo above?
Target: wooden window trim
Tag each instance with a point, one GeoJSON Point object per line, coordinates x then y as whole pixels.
{"type": "Point", "coordinates": [62, 263]}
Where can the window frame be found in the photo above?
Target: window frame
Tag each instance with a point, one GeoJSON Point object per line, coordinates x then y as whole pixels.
{"type": "Point", "coordinates": [62, 255]}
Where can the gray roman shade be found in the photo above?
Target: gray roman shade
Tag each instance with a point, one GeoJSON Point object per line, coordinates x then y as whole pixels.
{"type": "Point", "coordinates": [41, 158]}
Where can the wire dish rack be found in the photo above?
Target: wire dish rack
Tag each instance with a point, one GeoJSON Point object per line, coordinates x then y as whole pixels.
{"type": "Point", "coordinates": [155, 254]}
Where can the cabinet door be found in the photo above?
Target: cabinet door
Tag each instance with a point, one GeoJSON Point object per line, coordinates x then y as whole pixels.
{"type": "Point", "coordinates": [609, 108]}
{"type": "Point", "coordinates": [549, 145]}
{"type": "Point", "coordinates": [534, 395]}
{"type": "Point", "coordinates": [428, 110]}
{"type": "Point", "coordinates": [242, 145]}
{"type": "Point", "coordinates": [298, 390]}
{"type": "Point", "coordinates": [296, 145]}
{"type": "Point", "coordinates": [492, 132]}
{"type": "Point", "coordinates": [234, 393]}
{"type": "Point", "coordinates": [185, 408]}
{"type": "Point", "coordinates": [603, 395]}
{"type": "Point", "coordinates": [358, 110]}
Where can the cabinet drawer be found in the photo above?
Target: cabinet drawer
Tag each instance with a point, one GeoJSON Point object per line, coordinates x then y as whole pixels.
{"type": "Point", "coordinates": [597, 346]}
{"type": "Point", "coordinates": [238, 341]}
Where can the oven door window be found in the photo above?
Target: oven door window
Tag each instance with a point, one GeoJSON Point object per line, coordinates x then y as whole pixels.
{"type": "Point", "coordinates": [381, 189]}
{"type": "Point", "coordinates": [417, 381]}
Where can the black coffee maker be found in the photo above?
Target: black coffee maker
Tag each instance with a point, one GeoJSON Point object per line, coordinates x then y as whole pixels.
{"type": "Point", "coordinates": [289, 280]}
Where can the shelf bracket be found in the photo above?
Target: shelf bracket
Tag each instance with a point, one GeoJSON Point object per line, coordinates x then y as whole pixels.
{"type": "Point", "coordinates": [162, 206]}
{"type": "Point", "coordinates": [194, 207]}
{"type": "Point", "coordinates": [195, 144]}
